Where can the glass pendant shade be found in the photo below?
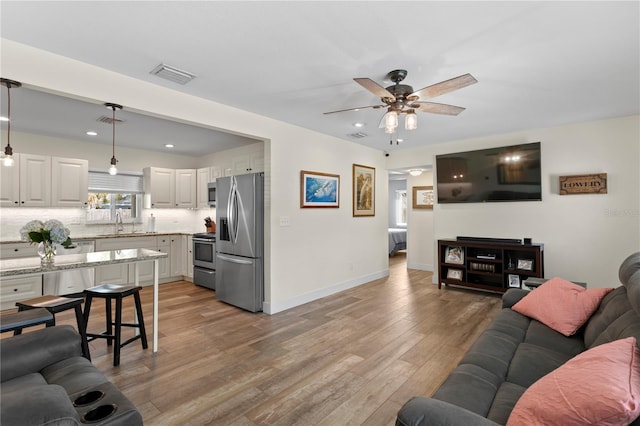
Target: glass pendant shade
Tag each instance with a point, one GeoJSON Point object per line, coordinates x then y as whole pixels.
{"type": "Point", "coordinates": [411, 121]}
{"type": "Point", "coordinates": [391, 119]}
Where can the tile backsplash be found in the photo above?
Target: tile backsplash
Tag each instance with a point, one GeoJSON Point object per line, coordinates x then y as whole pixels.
{"type": "Point", "coordinates": [186, 221]}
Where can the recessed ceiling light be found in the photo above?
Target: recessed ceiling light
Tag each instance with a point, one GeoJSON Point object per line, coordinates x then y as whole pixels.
{"type": "Point", "coordinates": [168, 145]}
{"type": "Point", "coordinates": [92, 133]}
{"type": "Point", "coordinates": [358, 124]}
{"type": "Point", "coordinates": [400, 140]}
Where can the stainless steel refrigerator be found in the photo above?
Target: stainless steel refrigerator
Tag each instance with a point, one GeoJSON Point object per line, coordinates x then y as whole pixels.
{"type": "Point", "coordinates": [240, 241]}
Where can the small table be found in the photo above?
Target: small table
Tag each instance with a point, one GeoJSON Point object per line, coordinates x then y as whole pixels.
{"type": "Point", "coordinates": [16, 321]}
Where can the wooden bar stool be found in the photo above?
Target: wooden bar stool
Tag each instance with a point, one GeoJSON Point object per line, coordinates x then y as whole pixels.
{"type": "Point", "coordinates": [113, 333]}
{"type": "Point", "coordinates": [56, 304]}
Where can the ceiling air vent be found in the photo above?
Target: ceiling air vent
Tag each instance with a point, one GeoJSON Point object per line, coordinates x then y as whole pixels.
{"type": "Point", "coordinates": [172, 74]}
{"type": "Point", "coordinates": [108, 120]}
{"type": "Point", "coordinates": [357, 135]}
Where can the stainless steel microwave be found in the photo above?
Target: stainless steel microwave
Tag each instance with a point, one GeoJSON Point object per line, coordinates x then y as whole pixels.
{"type": "Point", "coordinates": [211, 191]}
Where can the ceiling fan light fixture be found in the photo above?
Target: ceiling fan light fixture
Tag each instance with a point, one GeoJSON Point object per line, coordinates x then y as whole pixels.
{"type": "Point", "coordinates": [8, 160]}
{"type": "Point", "coordinates": [390, 122]}
{"type": "Point", "coordinates": [411, 120]}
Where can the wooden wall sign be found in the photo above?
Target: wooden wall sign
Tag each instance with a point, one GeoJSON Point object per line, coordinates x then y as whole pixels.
{"type": "Point", "coordinates": [584, 184]}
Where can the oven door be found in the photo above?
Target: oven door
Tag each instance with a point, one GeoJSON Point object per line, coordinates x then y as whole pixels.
{"type": "Point", "coordinates": [204, 253]}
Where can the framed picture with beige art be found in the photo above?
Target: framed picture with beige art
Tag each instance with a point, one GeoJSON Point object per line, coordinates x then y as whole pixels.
{"type": "Point", "coordinates": [364, 190]}
{"type": "Point", "coordinates": [423, 197]}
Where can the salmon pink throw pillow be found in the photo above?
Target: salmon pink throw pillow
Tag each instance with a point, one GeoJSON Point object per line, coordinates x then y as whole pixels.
{"type": "Point", "coordinates": [561, 305]}
{"type": "Point", "coordinates": [600, 386]}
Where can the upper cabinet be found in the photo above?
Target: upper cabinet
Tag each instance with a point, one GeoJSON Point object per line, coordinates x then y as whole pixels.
{"type": "Point", "coordinates": [69, 182]}
{"type": "Point", "coordinates": [42, 181]}
{"type": "Point", "coordinates": [247, 163]}
{"type": "Point", "coordinates": [170, 187]}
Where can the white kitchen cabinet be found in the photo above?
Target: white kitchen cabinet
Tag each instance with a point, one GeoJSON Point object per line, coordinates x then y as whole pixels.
{"type": "Point", "coordinates": [170, 187]}
{"type": "Point", "coordinates": [27, 183]}
{"type": "Point", "coordinates": [178, 255]}
{"type": "Point", "coordinates": [14, 290]}
{"type": "Point", "coordinates": [202, 180]}
{"type": "Point", "coordinates": [69, 182]}
{"type": "Point", "coordinates": [125, 273]}
{"type": "Point", "coordinates": [164, 265]}
{"type": "Point", "coordinates": [160, 186]}
{"type": "Point", "coordinates": [42, 181]}
{"type": "Point", "coordinates": [24, 287]}
{"type": "Point", "coordinates": [185, 188]}
{"type": "Point", "coordinates": [247, 163]}
{"type": "Point", "coordinates": [189, 262]}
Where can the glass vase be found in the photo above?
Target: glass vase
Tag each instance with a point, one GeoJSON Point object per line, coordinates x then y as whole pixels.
{"type": "Point", "coordinates": [46, 251]}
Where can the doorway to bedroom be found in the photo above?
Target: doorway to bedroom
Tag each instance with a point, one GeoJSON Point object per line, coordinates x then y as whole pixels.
{"type": "Point", "coordinates": [411, 224]}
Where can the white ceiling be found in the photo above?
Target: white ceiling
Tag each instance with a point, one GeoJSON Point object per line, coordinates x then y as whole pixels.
{"type": "Point", "coordinates": [538, 64]}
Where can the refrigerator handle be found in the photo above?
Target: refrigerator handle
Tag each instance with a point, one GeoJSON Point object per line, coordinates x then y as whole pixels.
{"type": "Point", "coordinates": [234, 260]}
{"type": "Point", "coordinates": [233, 210]}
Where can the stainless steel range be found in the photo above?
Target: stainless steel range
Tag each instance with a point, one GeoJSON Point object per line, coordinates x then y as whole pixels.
{"type": "Point", "coordinates": [204, 260]}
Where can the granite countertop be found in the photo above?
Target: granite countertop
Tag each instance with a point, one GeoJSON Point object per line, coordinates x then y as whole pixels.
{"type": "Point", "coordinates": [33, 265]}
{"type": "Point", "coordinates": [84, 237]}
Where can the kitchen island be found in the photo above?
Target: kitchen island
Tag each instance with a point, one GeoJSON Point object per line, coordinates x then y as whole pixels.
{"type": "Point", "coordinates": [33, 265]}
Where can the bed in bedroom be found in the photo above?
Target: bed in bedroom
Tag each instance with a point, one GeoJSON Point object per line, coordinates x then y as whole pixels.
{"type": "Point", "coordinates": [397, 240]}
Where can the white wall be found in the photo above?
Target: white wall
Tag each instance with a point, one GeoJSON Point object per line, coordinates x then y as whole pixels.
{"type": "Point", "coordinates": [324, 250]}
{"type": "Point", "coordinates": [420, 228]}
{"type": "Point", "coordinates": [586, 237]}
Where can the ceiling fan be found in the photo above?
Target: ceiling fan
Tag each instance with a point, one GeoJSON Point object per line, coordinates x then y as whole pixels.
{"type": "Point", "coordinates": [402, 99]}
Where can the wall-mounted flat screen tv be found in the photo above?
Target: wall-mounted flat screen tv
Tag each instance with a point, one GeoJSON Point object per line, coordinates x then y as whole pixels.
{"type": "Point", "coordinates": [509, 173]}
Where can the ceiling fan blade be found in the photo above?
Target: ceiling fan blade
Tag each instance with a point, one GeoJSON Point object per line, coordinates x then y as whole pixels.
{"type": "Point", "coordinates": [355, 109]}
{"type": "Point", "coordinates": [445, 87]}
{"type": "Point", "coordinates": [374, 88]}
{"type": "Point", "coordinates": [436, 108]}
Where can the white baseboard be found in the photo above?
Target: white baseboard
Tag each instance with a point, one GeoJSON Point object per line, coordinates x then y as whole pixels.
{"type": "Point", "coordinates": [420, 266]}
{"type": "Point", "coordinates": [273, 308]}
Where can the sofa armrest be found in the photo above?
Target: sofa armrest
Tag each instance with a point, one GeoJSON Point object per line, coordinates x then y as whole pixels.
{"type": "Point", "coordinates": [421, 411]}
{"type": "Point", "coordinates": [513, 296]}
{"type": "Point", "coordinates": [31, 352]}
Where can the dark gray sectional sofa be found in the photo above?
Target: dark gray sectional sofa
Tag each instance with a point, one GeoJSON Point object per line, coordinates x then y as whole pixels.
{"type": "Point", "coordinates": [515, 351]}
{"type": "Point", "coordinates": [46, 381]}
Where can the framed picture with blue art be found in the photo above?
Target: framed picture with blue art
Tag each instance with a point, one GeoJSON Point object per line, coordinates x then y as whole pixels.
{"type": "Point", "coordinates": [319, 190]}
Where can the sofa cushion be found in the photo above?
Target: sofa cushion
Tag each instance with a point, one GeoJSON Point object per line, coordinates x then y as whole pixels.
{"type": "Point", "coordinates": [506, 398]}
{"type": "Point", "coordinates": [470, 387]}
{"type": "Point", "coordinates": [531, 362]}
{"type": "Point", "coordinates": [540, 335]}
{"type": "Point", "coordinates": [561, 305]}
{"type": "Point", "coordinates": [598, 387]}
{"type": "Point", "coordinates": [22, 382]}
{"type": "Point", "coordinates": [19, 355]}
{"type": "Point", "coordinates": [75, 374]}
{"type": "Point", "coordinates": [38, 405]}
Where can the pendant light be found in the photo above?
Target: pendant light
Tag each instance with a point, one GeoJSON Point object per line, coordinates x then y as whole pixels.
{"type": "Point", "coordinates": [7, 160]}
{"type": "Point", "coordinates": [113, 170]}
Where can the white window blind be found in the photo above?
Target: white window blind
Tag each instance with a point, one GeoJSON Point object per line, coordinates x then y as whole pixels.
{"type": "Point", "coordinates": [120, 183]}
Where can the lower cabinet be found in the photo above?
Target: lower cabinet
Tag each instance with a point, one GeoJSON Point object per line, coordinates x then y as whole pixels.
{"type": "Point", "coordinates": [125, 274]}
{"type": "Point", "coordinates": [24, 287]}
{"type": "Point", "coordinates": [13, 290]}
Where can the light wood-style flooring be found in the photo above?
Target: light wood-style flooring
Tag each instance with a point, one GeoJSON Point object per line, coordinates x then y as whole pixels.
{"type": "Point", "coordinates": [349, 359]}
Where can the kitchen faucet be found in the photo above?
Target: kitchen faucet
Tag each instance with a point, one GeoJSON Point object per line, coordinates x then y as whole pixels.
{"type": "Point", "coordinates": [119, 224]}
